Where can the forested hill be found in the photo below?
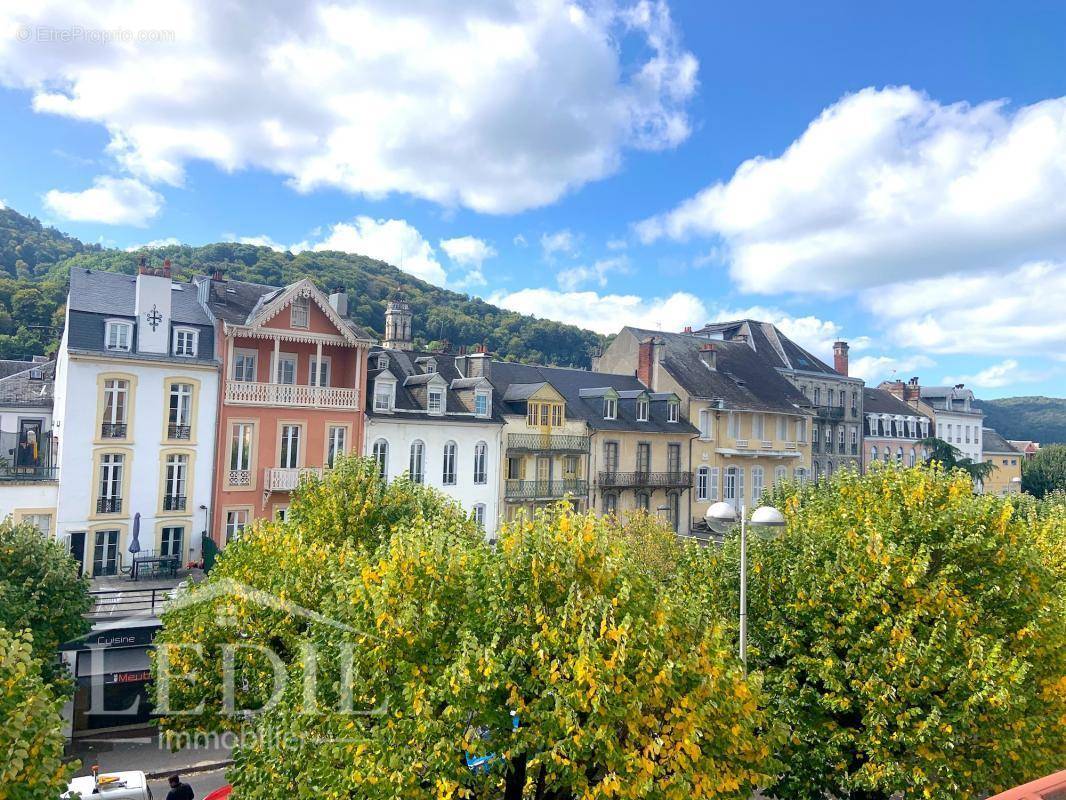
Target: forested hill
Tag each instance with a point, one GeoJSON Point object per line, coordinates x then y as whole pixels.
{"type": "Point", "coordinates": [33, 290]}
{"type": "Point", "coordinates": [1042, 419]}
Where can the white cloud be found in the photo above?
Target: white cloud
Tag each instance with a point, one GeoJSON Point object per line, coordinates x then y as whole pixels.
{"type": "Point", "coordinates": [498, 107]}
{"type": "Point", "coordinates": [469, 252]}
{"type": "Point", "coordinates": [562, 242]}
{"type": "Point", "coordinates": [1005, 373]}
{"type": "Point", "coordinates": [605, 313]}
{"type": "Point", "coordinates": [1009, 313]}
{"type": "Point", "coordinates": [262, 240]}
{"type": "Point", "coordinates": [576, 277]}
{"type": "Point", "coordinates": [112, 201]}
{"type": "Point", "coordinates": [874, 369]}
{"type": "Point", "coordinates": [617, 244]}
{"type": "Point", "coordinates": [155, 243]}
{"type": "Point", "coordinates": [888, 185]}
{"type": "Point", "coordinates": [520, 240]}
{"type": "Point", "coordinates": [394, 241]}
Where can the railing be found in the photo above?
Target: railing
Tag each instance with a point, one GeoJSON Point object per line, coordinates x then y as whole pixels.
{"type": "Point", "coordinates": [855, 449]}
{"type": "Point", "coordinates": [854, 411]}
{"type": "Point", "coordinates": [240, 477]}
{"type": "Point", "coordinates": [281, 479]}
{"type": "Point", "coordinates": [27, 457]}
{"type": "Point", "coordinates": [648, 480]}
{"type": "Point", "coordinates": [767, 445]}
{"type": "Point", "coordinates": [842, 449]}
{"type": "Point", "coordinates": [128, 602]}
{"type": "Point", "coordinates": [179, 431]}
{"type": "Point", "coordinates": [556, 442]}
{"type": "Point", "coordinates": [109, 505]}
{"type": "Point", "coordinates": [790, 445]}
{"type": "Point", "coordinates": [174, 502]}
{"type": "Point", "coordinates": [830, 412]}
{"type": "Point", "coordinates": [741, 444]}
{"type": "Point", "coordinates": [113, 430]}
{"type": "Point", "coordinates": [247, 393]}
{"type": "Point", "coordinates": [816, 447]}
{"type": "Point", "coordinates": [544, 490]}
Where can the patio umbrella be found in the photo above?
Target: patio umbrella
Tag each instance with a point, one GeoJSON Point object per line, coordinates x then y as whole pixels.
{"type": "Point", "coordinates": [135, 546]}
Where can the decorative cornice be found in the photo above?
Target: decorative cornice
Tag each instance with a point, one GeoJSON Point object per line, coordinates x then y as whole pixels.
{"type": "Point", "coordinates": [305, 288]}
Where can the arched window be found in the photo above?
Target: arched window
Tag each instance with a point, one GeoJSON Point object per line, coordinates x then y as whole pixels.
{"type": "Point", "coordinates": [780, 473]}
{"type": "Point", "coordinates": [913, 457]}
{"type": "Point", "coordinates": [701, 484]}
{"type": "Point", "coordinates": [801, 475]}
{"type": "Point", "coordinates": [873, 453]}
{"type": "Point", "coordinates": [643, 501]}
{"type": "Point", "coordinates": [899, 455]}
{"type": "Point", "coordinates": [381, 455]}
{"type": "Point", "coordinates": [828, 469]}
{"type": "Point", "coordinates": [479, 515]}
{"type": "Point", "coordinates": [417, 468]}
{"type": "Point", "coordinates": [610, 503]}
{"type": "Point", "coordinates": [887, 454]}
{"type": "Point", "coordinates": [448, 472]}
{"type": "Point", "coordinates": [481, 451]}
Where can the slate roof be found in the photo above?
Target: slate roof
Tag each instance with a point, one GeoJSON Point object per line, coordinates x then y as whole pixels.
{"type": "Point", "coordinates": [506, 375]}
{"type": "Point", "coordinates": [11, 366]}
{"type": "Point", "coordinates": [114, 294]}
{"type": "Point", "coordinates": [769, 342]}
{"type": "Point", "coordinates": [743, 380]}
{"type": "Point", "coordinates": [19, 390]}
{"type": "Point", "coordinates": [992, 442]}
{"type": "Point", "coordinates": [881, 401]}
{"type": "Point", "coordinates": [950, 398]}
{"type": "Point", "coordinates": [409, 375]}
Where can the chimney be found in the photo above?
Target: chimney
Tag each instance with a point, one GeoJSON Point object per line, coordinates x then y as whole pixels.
{"type": "Point", "coordinates": [739, 337]}
{"type": "Point", "coordinates": [142, 267]}
{"type": "Point", "coordinates": [476, 365]}
{"type": "Point", "coordinates": [896, 388]}
{"type": "Point", "coordinates": [840, 357]}
{"type": "Point", "coordinates": [152, 307]}
{"type": "Point", "coordinates": [649, 355]}
{"type": "Point", "coordinates": [166, 268]}
{"type": "Point", "coordinates": [338, 298]}
{"type": "Point", "coordinates": [709, 356]}
{"type": "Point", "coordinates": [216, 274]}
{"type": "Point", "coordinates": [688, 329]}
{"type": "Point", "coordinates": [912, 391]}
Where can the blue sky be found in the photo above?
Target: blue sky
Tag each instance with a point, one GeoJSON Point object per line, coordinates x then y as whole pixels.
{"type": "Point", "coordinates": [893, 176]}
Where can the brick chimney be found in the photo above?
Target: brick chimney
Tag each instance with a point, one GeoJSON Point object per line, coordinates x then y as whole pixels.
{"type": "Point", "coordinates": [896, 388]}
{"type": "Point", "coordinates": [840, 357]}
{"type": "Point", "coordinates": [166, 268]}
{"type": "Point", "coordinates": [912, 391]}
{"type": "Point", "coordinates": [649, 355]}
{"type": "Point", "coordinates": [687, 329]}
{"type": "Point", "coordinates": [709, 356]}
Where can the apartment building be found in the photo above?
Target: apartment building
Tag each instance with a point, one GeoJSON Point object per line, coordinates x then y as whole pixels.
{"type": "Point", "coordinates": [892, 429]}
{"type": "Point", "coordinates": [955, 419]}
{"type": "Point", "coordinates": [291, 401]}
{"type": "Point", "coordinates": [136, 391]}
{"type": "Point", "coordinates": [29, 477]}
{"type": "Point", "coordinates": [1006, 478]}
{"type": "Point", "coordinates": [833, 396]}
{"type": "Point", "coordinates": [752, 427]}
{"type": "Point", "coordinates": [434, 417]}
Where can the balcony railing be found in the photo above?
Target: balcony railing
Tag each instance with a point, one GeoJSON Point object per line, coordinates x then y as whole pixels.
{"type": "Point", "coordinates": [174, 502]}
{"type": "Point", "coordinates": [247, 393]}
{"type": "Point", "coordinates": [113, 430]}
{"type": "Point", "coordinates": [829, 412]}
{"type": "Point", "coordinates": [179, 431]}
{"type": "Point", "coordinates": [281, 479]}
{"type": "Point", "coordinates": [543, 442]}
{"type": "Point", "coordinates": [544, 490]}
{"type": "Point", "coordinates": [118, 603]}
{"type": "Point", "coordinates": [646, 480]}
{"type": "Point", "coordinates": [854, 449]}
{"type": "Point", "coordinates": [109, 505]}
{"type": "Point", "coordinates": [240, 477]}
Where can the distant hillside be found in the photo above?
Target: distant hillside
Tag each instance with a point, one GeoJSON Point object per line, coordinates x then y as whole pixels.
{"type": "Point", "coordinates": [1042, 419]}
{"type": "Point", "coordinates": [441, 316]}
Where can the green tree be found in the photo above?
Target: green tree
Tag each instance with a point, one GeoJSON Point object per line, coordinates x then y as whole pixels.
{"type": "Point", "coordinates": [1046, 471]}
{"type": "Point", "coordinates": [566, 621]}
{"type": "Point", "coordinates": [40, 591]}
{"type": "Point", "coordinates": [31, 737]}
{"type": "Point", "coordinates": [910, 634]}
{"type": "Point", "coordinates": [950, 457]}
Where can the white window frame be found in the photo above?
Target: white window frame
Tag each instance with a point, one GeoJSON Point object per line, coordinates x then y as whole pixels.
{"type": "Point", "coordinates": [758, 477]}
{"type": "Point", "coordinates": [734, 425]}
{"type": "Point", "coordinates": [112, 466]}
{"type": "Point", "coordinates": [193, 341]}
{"type": "Point", "coordinates": [448, 470]}
{"type": "Point", "coordinates": [380, 454]}
{"type": "Point", "coordinates": [673, 411]}
{"type": "Point", "coordinates": [706, 424]}
{"type": "Point", "coordinates": [703, 475]}
{"type": "Point", "coordinates": [166, 541]}
{"type": "Point", "coordinates": [336, 443]}
{"type": "Point", "coordinates": [480, 397]}
{"type": "Point", "coordinates": [118, 325]}
{"type": "Point", "coordinates": [643, 409]}
{"type": "Point", "coordinates": [236, 521]}
{"type": "Point", "coordinates": [384, 389]}
{"type": "Point", "coordinates": [241, 434]}
{"type": "Point", "coordinates": [780, 474]}
{"type": "Point", "coordinates": [610, 408]}
{"type": "Point", "coordinates": [303, 306]}
{"type": "Point", "coordinates": [801, 430]}
{"type": "Point", "coordinates": [284, 358]}
{"type": "Point", "coordinates": [477, 513]}
{"type": "Point", "coordinates": [176, 479]}
{"type": "Point", "coordinates": [314, 372]}
{"type": "Point", "coordinates": [119, 387]}
{"type": "Point", "coordinates": [180, 413]}
{"type": "Point", "coordinates": [435, 401]}
{"type": "Point", "coordinates": [289, 449]}
{"type": "Point", "coordinates": [416, 467]}
{"type": "Point", "coordinates": [481, 463]}
{"type": "Point", "coordinates": [242, 356]}
{"type": "Point", "coordinates": [758, 427]}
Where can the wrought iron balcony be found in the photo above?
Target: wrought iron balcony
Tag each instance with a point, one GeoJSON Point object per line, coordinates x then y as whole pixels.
{"type": "Point", "coordinates": [113, 430]}
{"type": "Point", "coordinates": [646, 480]}
{"type": "Point", "coordinates": [829, 412]}
{"type": "Point", "coordinates": [545, 442]}
{"type": "Point", "coordinates": [174, 502]}
{"type": "Point", "coordinates": [179, 431]}
{"type": "Point", "coordinates": [544, 490]}
{"type": "Point", "coordinates": [109, 505]}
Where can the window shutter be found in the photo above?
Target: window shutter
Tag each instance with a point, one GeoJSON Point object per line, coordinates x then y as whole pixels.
{"type": "Point", "coordinates": [714, 483]}
{"type": "Point", "coordinates": [740, 484]}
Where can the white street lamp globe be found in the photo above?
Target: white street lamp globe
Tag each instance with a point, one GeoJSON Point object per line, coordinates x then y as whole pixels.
{"type": "Point", "coordinates": [720, 517]}
{"type": "Point", "coordinates": [767, 521]}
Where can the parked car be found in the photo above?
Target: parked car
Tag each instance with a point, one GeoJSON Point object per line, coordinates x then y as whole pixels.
{"type": "Point", "coordinates": [130, 785]}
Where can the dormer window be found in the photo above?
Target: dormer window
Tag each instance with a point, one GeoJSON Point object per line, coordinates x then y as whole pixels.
{"type": "Point", "coordinates": [118, 334]}
{"type": "Point", "coordinates": [383, 361]}
{"type": "Point", "coordinates": [435, 401]}
{"type": "Point", "coordinates": [610, 408]}
{"type": "Point", "coordinates": [301, 312]}
{"type": "Point", "coordinates": [481, 404]}
{"type": "Point", "coordinates": [185, 342]}
{"type": "Point", "coordinates": [642, 409]}
{"type": "Point", "coordinates": [384, 395]}
{"type": "Point", "coordinates": [673, 411]}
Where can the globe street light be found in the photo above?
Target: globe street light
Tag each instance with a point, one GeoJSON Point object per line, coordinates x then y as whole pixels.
{"type": "Point", "coordinates": [720, 517]}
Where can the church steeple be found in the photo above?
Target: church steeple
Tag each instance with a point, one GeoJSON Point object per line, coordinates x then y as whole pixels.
{"type": "Point", "coordinates": [398, 324]}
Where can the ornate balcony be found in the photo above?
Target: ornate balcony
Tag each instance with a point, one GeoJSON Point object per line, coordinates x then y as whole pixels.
{"type": "Point", "coordinates": [645, 480]}
{"type": "Point", "coordinates": [174, 502]}
{"type": "Point", "coordinates": [280, 479]}
{"type": "Point", "coordinates": [113, 430]}
{"type": "Point", "coordinates": [109, 505]}
{"type": "Point", "coordinates": [544, 490]}
{"type": "Point", "coordinates": [290, 395]}
{"type": "Point", "coordinates": [548, 442]}
{"type": "Point", "coordinates": [829, 412]}
{"type": "Point", "coordinates": [179, 431]}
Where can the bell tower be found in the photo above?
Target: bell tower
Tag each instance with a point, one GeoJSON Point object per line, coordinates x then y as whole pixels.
{"type": "Point", "coordinates": [398, 325]}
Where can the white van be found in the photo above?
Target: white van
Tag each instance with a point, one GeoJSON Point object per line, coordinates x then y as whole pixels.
{"type": "Point", "coordinates": [110, 786]}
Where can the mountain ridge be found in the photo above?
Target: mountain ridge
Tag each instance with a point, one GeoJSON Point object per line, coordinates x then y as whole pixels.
{"type": "Point", "coordinates": [1036, 417]}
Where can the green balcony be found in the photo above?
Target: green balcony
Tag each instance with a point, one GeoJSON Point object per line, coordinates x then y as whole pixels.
{"type": "Point", "coordinates": [547, 443]}
{"type": "Point", "coordinates": [545, 490]}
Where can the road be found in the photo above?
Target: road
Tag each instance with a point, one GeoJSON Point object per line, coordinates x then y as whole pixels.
{"type": "Point", "coordinates": [201, 783]}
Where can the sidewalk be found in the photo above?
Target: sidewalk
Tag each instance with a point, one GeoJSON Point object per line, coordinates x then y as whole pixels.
{"type": "Point", "coordinates": [141, 750]}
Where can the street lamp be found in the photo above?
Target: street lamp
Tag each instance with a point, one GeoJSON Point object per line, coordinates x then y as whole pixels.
{"type": "Point", "coordinates": [720, 517]}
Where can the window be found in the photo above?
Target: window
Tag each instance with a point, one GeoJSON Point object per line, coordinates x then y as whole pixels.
{"type": "Point", "coordinates": [712, 495]}
{"type": "Point", "coordinates": [478, 515]}
{"type": "Point", "coordinates": [734, 425]}
{"type": "Point", "coordinates": [780, 473]}
{"type": "Point", "coordinates": [172, 541]}
{"type": "Point", "coordinates": [801, 430]}
{"type": "Point", "coordinates": [899, 455]}
{"type": "Point", "coordinates": [705, 423]}
{"type": "Point", "coordinates": [244, 365]}
{"type": "Point", "coordinates": [873, 453]}
{"type": "Point", "coordinates": [435, 405]}
{"type": "Point", "coordinates": [733, 489]}
{"type": "Point", "coordinates": [610, 503]}
{"type": "Point", "coordinates": [840, 438]}
{"type": "Point", "coordinates": [117, 335]}
{"type": "Point", "coordinates": [240, 454]}
{"type": "Point", "coordinates": [381, 456]}
{"type": "Point", "coordinates": [284, 369]}
{"type": "Point", "coordinates": [913, 458]}
{"type": "Point", "coordinates": [673, 411]}
{"type": "Point", "coordinates": [828, 469]}
{"type": "Point", "coordinates": [643, 458]}
{"type": "Point", "coordinates": [417, 465]}
{"type": "Point", "coordinates": [290, 447]}
{"type": "Point", "coordinates": [756, 484]}
{"type": "Point", "coordinates": [319, 372]}
{"type": "Point", "coordinates": [383, 361]}
{"type": "Point", "coordinates": [109, 500]}
{"type": "Point", "coordinates": [801, 475]}
{"type": "Point", "coordinates": [177, 473]}
{"type": "Point", "coordinates": [817, 396]}
{"type": "Point", "coordinates": [301, 312]}
{"type": "Point", "coordinates": [758, 426]}
{"type": "Point", "coordinates": [481, 404]}
{"type": "Point", "coordinates": [673, 510]}
{"type": "Point", "coordinates": [673, 457]}
{"type": "Point", "coordinates": [448, 471]}
{"type": "Point", "coordinates": [829, 397]}
{"type": "Point", "coordinates": [116, 400]}
{"type": "Point", "coordinates": [814, 437]}
{"type": "Point", "coordinates": [179, 421]}
{"type": "Point", "coordinates": [557, 415]}
{"type": "Point", "coordinates": [570, 467]}
{"type": "Point", "coordinates": [281, 513]}
{"type": "Point", "coordinates": [782, 428]}
{"type": "Point", "coordinates": [610, 456]}
{"type": "Point", "coordinates": [105, 553]}
{"type": "Point", "coordinates": [481, 457]}
{"type": "Point", "coordinates": [642, 410]}
{"type": "Point", "coordinates": [515, 468]}
{"type": "Point", "coordinates": [185, 342]}
{"type": "Point", "coordinates": [702, 475]}
{"type": "Point", "coordinates": [545, 410]}
{"type": "Point", "coordinates": [383, 395]}
{"type": "Point", "coordinates": [531, 414]}
{"type": "Point", "coordinates": [236, 521]}
{"type": "Point", "coordinates": [643, 501]}
{"type": "Point", "coordinates": [610, 408]}
{"type": "Point", "coordinates": [336, 444]}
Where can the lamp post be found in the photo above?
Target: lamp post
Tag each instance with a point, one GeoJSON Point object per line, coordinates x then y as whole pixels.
{"type": "Point", "coordinates": [720, 517]}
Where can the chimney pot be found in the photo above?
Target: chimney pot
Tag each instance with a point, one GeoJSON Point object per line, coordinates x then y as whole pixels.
{"type": "Point", "coordinates": [840, 357]}
{"type": "Point", "coordinates": [688, 329]}
{"type": "Point", "coordinates": [166, 268]}
{"type": "Point", "coordinates": [142, 267]}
